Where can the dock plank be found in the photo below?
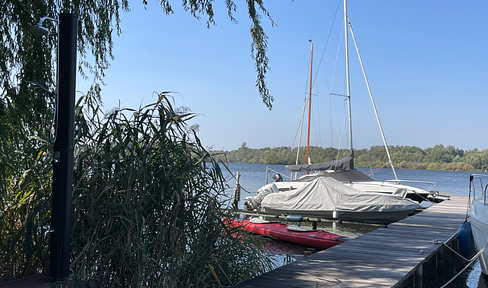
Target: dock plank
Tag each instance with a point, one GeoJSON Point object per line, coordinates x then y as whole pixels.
{"type": "Point", "coordinates": [379, 258]}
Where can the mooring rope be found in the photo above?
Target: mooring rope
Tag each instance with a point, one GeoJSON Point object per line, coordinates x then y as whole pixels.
{"type": "Point", "coordinates": [247, 190]}
{"type": "Point", "coordinates": [378, 169]}
{"type": "Point", "coordinates": [469, 260]}
{"type": "Point", "coordinates": [233, 188]}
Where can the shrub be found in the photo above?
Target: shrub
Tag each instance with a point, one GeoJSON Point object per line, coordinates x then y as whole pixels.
{"type": "Point", "coordinates": [147, 207]}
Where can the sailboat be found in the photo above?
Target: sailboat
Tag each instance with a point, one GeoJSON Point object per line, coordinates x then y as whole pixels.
{"type": "Point", "coordinates": [343, 170]}
{"type": "Point", "coordinates": [339, 192]}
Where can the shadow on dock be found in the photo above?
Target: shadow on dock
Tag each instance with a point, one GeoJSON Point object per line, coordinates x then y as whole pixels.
{"type": "Point", "coordinates": [412, 252]}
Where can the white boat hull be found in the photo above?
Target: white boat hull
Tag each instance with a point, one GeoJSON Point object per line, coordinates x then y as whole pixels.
{"type": "Point", "coordinates": [376, 217]}
{"type": "Point", "coordinates": [478, 217]}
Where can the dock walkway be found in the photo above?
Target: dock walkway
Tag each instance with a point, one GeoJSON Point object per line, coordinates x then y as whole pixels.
{"type": "Point", "coordinates": [384, 257]}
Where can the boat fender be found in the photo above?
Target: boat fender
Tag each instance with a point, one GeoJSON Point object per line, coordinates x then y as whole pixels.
{"type": "Point", "coordinates": [464, 239]}
{"type": "Point", "coordinates": [294, 218]}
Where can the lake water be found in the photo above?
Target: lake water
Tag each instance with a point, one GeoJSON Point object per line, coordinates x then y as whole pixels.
{"type": "Point", "coordinates": [253, 176]}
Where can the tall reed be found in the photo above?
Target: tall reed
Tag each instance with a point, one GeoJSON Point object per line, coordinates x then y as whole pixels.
{"type": "Point", "coordinates": [148, 205]}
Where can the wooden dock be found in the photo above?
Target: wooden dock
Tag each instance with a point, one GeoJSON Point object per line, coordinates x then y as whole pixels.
{"type": "Point", "coordinates": [399, 255]}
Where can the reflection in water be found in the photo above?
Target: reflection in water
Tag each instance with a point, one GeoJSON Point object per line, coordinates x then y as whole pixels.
{"type": "Point", "coordinates": [474, 278]}
{"type": "Point", "coordinates": [284, 252]}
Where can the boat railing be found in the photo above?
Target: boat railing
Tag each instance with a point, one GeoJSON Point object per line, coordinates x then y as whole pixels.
{"type": "Point", "coordinates": [483, 187]}
{"type": "Point", "coordinates": [398, 181]}
{"type": "Point", "coordinates": [268, 170]}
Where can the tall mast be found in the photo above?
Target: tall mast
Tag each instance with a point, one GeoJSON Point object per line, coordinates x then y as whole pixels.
{"type": "Point", "coordinates": [347, 73]}
{"type": "Point", "coordinates": [309, 103]}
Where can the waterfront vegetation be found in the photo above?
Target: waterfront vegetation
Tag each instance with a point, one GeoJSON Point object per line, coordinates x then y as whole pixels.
{"type": "Point", "coordinates": [147, 204]}
{"type": "Point", "coordinates": [438, 157]}
{"type": "Point", "coordinates": [147, 198]}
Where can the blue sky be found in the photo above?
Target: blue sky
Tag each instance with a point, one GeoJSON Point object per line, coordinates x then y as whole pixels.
{"type": "Point", "coordinates": [426, 63]}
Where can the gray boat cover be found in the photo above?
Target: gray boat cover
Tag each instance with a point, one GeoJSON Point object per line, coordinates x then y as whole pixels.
{"type": "Point", "coordinates": [344, 164]}
{"type": "Point", "coordinates": [253, 202]}
{"type": "Point", "coordinates": [327, 194]}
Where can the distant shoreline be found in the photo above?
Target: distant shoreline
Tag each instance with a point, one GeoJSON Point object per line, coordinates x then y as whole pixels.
{"type": "Point", "coordinates": [439, 157]}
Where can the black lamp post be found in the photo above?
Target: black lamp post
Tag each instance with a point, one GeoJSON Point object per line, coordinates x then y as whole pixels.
{"type": "Point", "coordinates": [63, 148]}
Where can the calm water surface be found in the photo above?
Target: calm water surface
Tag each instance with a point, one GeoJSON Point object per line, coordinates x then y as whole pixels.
{"type": "Point", "coordinates": [253, 176]}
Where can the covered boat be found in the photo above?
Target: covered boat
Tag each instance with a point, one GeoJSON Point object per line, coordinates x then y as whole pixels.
{"type": "Point", "coordinates": [343, 171]}
{"type": "Point", "coordinates": [325, 197]}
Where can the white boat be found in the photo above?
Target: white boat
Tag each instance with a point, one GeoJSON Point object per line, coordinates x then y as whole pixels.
{"type": "Point", "coordinates": [325, 197]}
{"type": "Point", "coordinates": [343, 170]}
{"type": "Point", "coordinates": [478, 217]}
{"type": "Point", "coordinates": [381, 200]}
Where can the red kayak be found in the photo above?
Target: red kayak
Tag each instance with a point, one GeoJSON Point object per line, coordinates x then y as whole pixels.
{"type": "Point", "coordinates": [290, 233]}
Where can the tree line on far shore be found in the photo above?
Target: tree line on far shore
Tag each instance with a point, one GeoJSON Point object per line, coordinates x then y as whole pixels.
{"type": "Point", "coordinates": [439, 157]}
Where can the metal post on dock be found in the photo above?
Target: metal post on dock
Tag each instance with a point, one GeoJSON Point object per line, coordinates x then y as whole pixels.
{"type": "Point", "coordinates": [335, 215]}
{"type": "Point", "coordinates": [267, 171]}
{"type": "Point", "coordinates": [64, 149]}
{"type": "Point", "coordinates": [236, 197]}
